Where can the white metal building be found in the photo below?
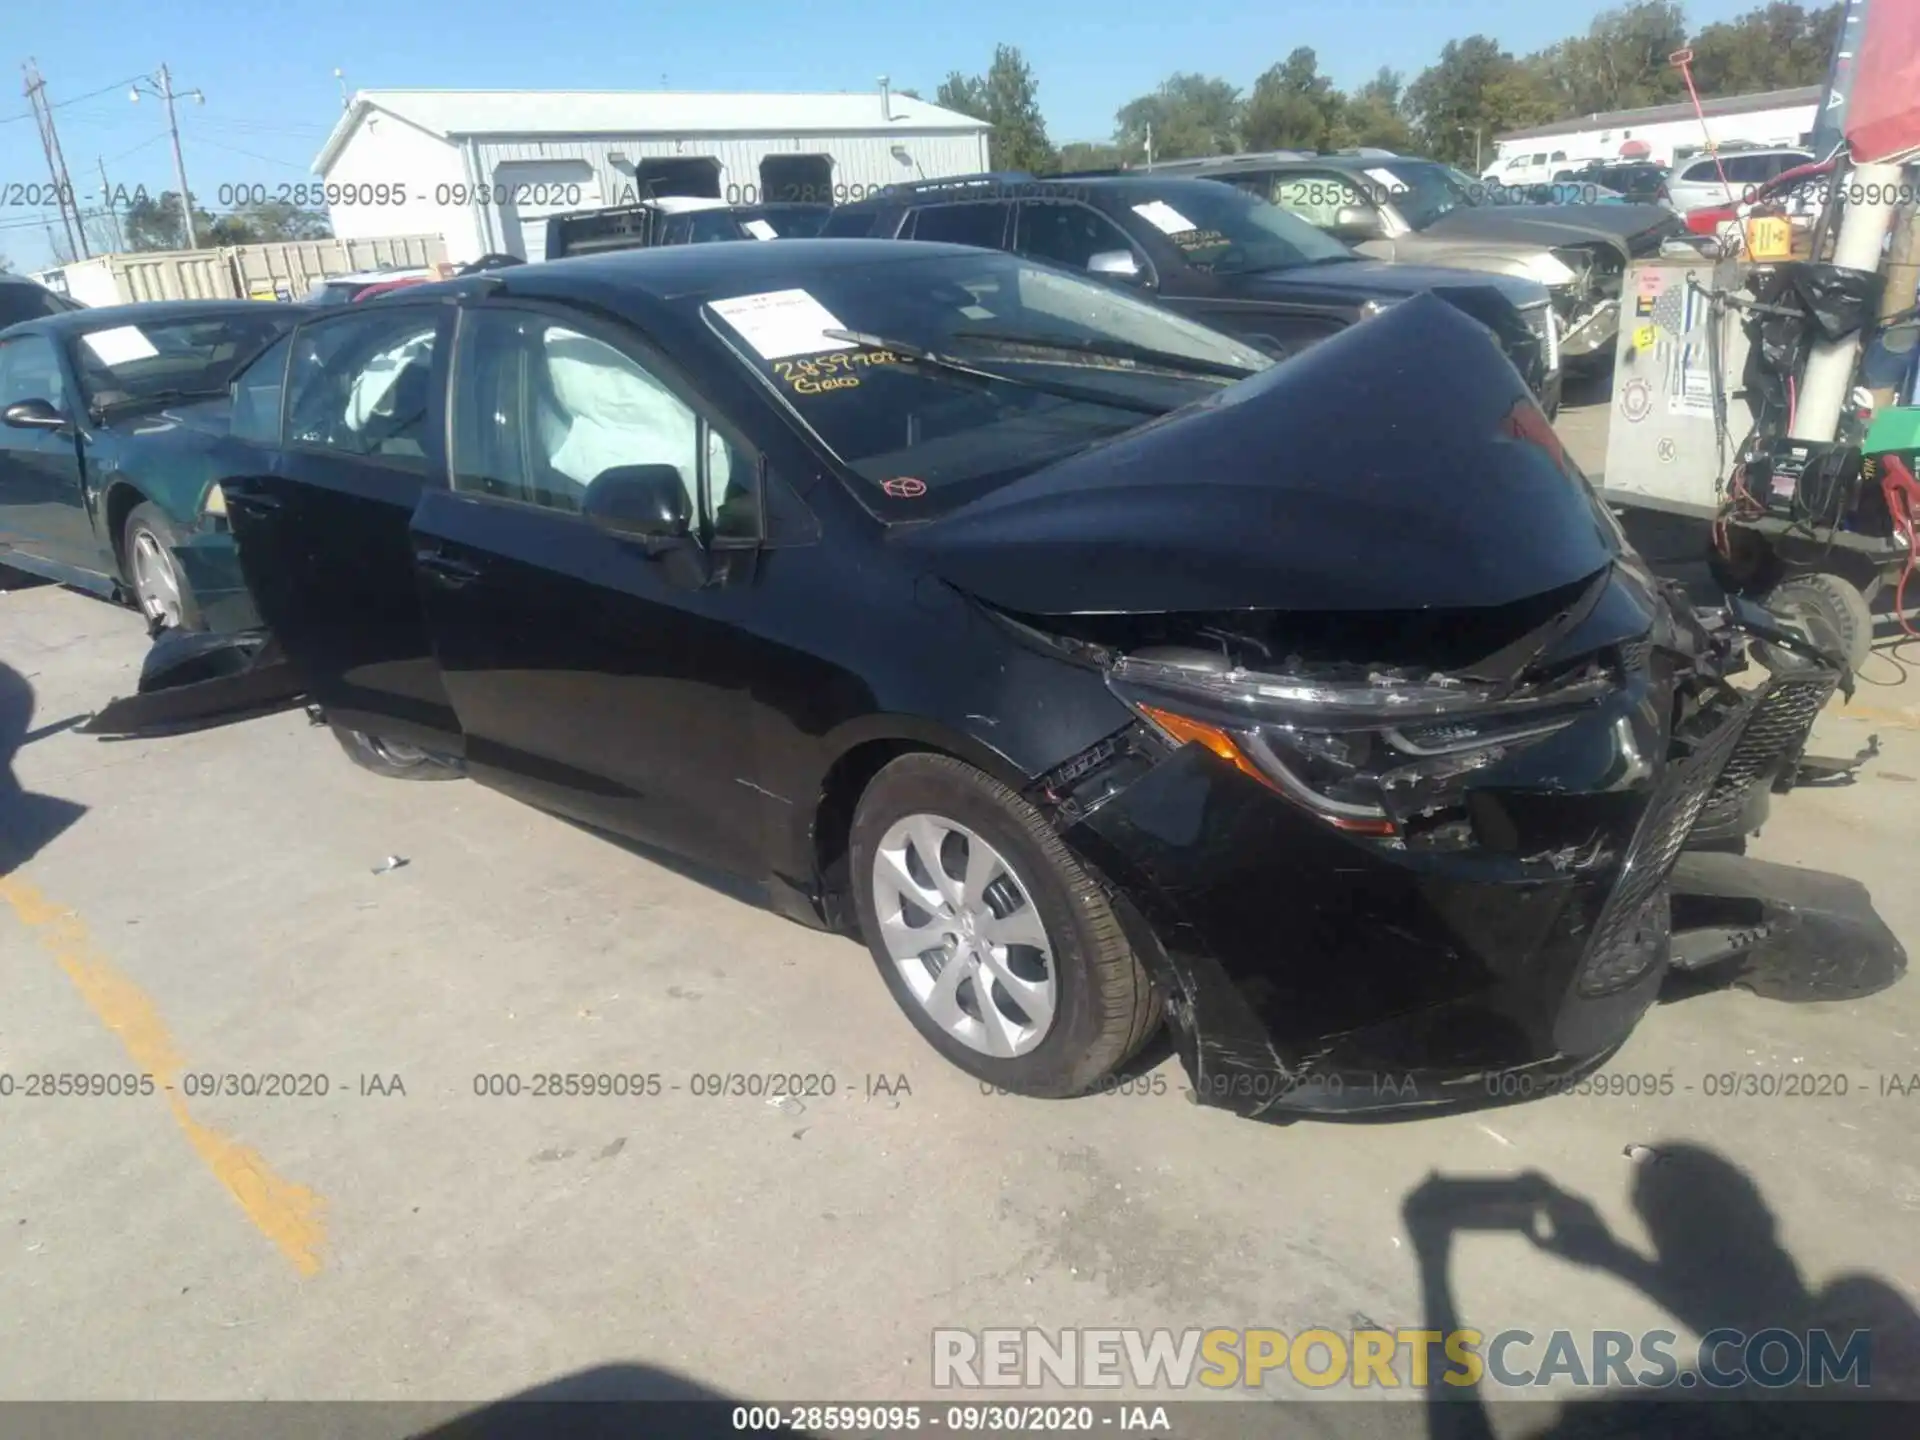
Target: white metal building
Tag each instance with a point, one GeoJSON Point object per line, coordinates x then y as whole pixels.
{"type": "Point", "coordinates": [1662, 133]}
{"type": "Point", "coordinates": [485, 167]}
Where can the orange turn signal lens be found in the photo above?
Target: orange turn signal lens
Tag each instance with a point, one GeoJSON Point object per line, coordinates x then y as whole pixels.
{"type": "Point", "coordinates": [1196, 732]}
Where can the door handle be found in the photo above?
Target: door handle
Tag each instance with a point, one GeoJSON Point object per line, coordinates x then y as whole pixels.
{"type": "Point", "coordinates": [444, 569]}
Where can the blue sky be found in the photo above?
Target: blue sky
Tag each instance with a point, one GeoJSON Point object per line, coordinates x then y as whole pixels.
{"type": "Point", "coordinates": [267, 66]}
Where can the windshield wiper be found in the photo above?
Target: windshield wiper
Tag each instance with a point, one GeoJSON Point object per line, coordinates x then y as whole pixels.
{"type": "Point", "coordinates": [916, 355]}
{"type": "Point", "coordinates": [104, 408]}
{"type": "Point", "coordinates": [1115, 350]}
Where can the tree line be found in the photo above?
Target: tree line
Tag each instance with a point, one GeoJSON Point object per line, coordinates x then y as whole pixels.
{"type": "Point", "coordinates": [1451, 110]}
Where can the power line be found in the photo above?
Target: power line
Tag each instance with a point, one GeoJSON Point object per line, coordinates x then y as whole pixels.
{"type": "Point", "coordinates": [236, 150]}
{"type": "Point", "coordinates": [90, 95]}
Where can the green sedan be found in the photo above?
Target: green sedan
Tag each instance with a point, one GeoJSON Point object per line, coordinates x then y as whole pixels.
{"type": "Point", "coordinates": [111, 424]}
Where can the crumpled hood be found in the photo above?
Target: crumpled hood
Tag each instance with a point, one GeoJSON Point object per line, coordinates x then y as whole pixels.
{"type": "Point", "coordinates": [1552, 225]}
{"type": "Point", "coordinates": [1400, 465]}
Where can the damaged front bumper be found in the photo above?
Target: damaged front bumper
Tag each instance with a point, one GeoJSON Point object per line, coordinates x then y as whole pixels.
{"type": "Point", "coordinates": [1311, 970]}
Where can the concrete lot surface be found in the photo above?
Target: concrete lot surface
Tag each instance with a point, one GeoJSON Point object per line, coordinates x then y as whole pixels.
{"type": "Point", "coordinates": [208, 905]}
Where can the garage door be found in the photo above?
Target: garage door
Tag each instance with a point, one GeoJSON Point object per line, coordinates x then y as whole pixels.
{"type": "Point", "coordinates": [526, 192]}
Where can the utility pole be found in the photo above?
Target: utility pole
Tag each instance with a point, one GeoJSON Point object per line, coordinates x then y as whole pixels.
{"type": "Point", "coordinates": [114, 236]}
{"type": "Point", "coordinates": [1149, 145]}
{"type": "Point", "coordinates": [63, 196]}
{"type": "Point", "coordinates": [162, 82]}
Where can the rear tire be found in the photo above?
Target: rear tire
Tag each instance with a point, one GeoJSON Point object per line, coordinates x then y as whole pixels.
{"type": "Point", "coordinates": [1832, 612]}
{"type": "Point", "coordinates": [1012, 920]}
{"type": "Point", "coordinates": [391, 759]}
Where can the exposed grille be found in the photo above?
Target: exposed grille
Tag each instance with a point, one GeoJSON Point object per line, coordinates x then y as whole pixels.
{"type": "Point", "coordinates": [1777, 731]}
{"type": "Point", "coordinates": [1546, 329]}
{"type": "Point", "coordinates": [1630, 937]}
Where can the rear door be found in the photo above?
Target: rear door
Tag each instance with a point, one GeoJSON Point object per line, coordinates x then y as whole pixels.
{"type": "Point", "coordinates": [323, 529]}
{"type": "Point", "coordinates": [592, 675]}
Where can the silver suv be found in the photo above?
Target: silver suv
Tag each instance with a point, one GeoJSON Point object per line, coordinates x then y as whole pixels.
{"type": "Point", "coordinates": [1696, 183]}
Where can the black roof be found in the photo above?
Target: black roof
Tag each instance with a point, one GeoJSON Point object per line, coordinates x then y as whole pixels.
{"type": "Point", "coordinates": [671, 272]}
{"type": "Point", "coordinates": [160, 312]}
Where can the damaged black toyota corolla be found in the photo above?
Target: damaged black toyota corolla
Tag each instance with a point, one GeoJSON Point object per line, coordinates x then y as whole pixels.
{"type": "Point", "coordinates": [1098, 671]}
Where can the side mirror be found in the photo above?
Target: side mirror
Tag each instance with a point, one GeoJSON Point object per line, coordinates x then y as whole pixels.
{"type": "Point", "coordinates": [1357, 222]}
{"type": "Point", "coordinates": [643, 502]}
{"type": "Point", "coordinates": [1117, 264]}
{"type": "Point", "coordinates": [33, 415]}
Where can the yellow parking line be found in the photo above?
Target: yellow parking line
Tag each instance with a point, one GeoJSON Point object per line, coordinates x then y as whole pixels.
{"type": "Point", "coordinates": [286, 1213]}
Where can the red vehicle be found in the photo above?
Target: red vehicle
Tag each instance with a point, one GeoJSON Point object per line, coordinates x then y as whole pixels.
{"type": "Point", "coordinates": [1790, 190]}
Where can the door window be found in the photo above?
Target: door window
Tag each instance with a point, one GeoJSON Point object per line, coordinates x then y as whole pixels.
{"type": "Point", "coordinates": [30, 370]}
{"type": "Point", "coordinates": [363, 386]}
{"type": "Point", "coordinates": [1067, 234]}
{"type": "Point", "coordinates": [981, 223]}
{"type": "Point", "coordinates": [1748, 169]}
{"type": "Point", "coordinates": [1318, 199]}
{"type": "Point", "coordinates": [542, 411]}
{"type": "Point", "coordinates": [257, 392]}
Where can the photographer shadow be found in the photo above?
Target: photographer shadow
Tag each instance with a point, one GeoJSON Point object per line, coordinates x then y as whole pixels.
{"type": "Point", "coordinates": [617, 1402]}
{"type": "Point", "coordinates": [1717, 1263]}
{"type": "Point", "coordinates": [28, 820]}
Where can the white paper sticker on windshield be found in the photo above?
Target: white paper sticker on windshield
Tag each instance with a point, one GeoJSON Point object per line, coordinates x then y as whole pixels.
{"type": "Point", "coordinates": [1393, 183]}
{"type": "Point", "coordinates": [760, 230]}
{"type": "Point", "coordinates": [120, 345]}
{"type": "Point", "coordinates": [1163, 216]}
{"type": "Point", "coordinates": [780, 323]}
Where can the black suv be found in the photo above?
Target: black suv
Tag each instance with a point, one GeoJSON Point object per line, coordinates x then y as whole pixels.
{"type": "Point", "coordinates": [24, 299]}
{"type": "Point", "coordinates": [1209, 251]}
{"type": "Point", "coordinates": [1640, 181]}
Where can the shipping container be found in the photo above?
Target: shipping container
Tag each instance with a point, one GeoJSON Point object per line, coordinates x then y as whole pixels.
{"type": "Point", "coordinates": [283, 270]}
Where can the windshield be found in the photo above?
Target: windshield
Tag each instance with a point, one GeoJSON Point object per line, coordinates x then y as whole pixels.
{"type": "Point", "coordinates": [159, 359]}
{"type": "Point", "coordinates": [925, 439]}
{"type": "Point", "coordinates": [1422, 191]}
{"type": "Point", "coordinates": [789, 222]}
{"type": "Point", "coordinates": [1227, 231]}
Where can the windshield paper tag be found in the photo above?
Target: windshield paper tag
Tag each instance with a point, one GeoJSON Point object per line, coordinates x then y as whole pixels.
{"type": "Point", "coordinates": [1163, 216]}
{"type": "Point", "coordinates": [1387, 178]}
{"type": "Point", "coordinates": [120, 345]}
{"type": "Point", "coordinates": [780, 323]}
{"type": "Point", "coordinates": [760, 230]}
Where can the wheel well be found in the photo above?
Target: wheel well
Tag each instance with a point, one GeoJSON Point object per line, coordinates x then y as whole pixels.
{"type": "Point", "coordinates": [122, 499]}
{"type": "Point", "coordinates": [840, 794]}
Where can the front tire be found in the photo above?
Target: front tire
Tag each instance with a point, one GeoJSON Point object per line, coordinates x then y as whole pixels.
{"type": "Point", "coordinates": [1830, 610]}
{"type": "Point", "coordinates": [992, 936]}
{"type": "Point", "coordinates": [159, 590]}
{"type": "Point", "coordinates": [392, 760]}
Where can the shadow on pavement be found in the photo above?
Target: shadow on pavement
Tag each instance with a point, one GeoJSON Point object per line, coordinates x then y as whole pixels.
{"type": "Point", "coordinates": [1716, 1263]}
{"type": "Point", "coordinates": [28, 821]}
{"type": "Point", "coordinates": [623, 1400]}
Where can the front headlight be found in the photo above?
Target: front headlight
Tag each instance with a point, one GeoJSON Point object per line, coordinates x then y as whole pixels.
{"type": "Point", "coordinates": [1548, 270]}
{"type": "Point", "coordinates": [216, 503]}
{"type": "Point", "coordinates": [1368, 753]}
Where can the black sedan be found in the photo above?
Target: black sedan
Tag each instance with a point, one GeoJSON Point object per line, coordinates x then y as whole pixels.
{"type": "Point", "coordinates": [1095, 669]}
